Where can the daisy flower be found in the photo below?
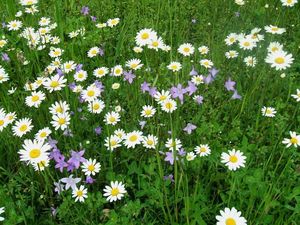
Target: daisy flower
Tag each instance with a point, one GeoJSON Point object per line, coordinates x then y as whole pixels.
{"type": "Point", "coordinates": [230, 217]}
{"type": "Point", "coordinates": [41, 165]}
{"type": "Point", "coordinates": [156, 44]}
{"type": "Point", "coordinates": [117, 70]}
{"type": "Point", "coordinates": [35, 99]}
{"type": "Point", "coordinates": [168, 105]}
{"type": "Point", "coordinates": [69, 66]}
{"type": "Point", "coordinates": [133, 138]}
{"type": "Point", "coordinates": [3, 120]}
{"type": "Point", "coordinates": [59, 107]}
{"type": "Point", "coordinates": [233, 160]}
{"type": "Point", "coordinates": [294, 140]}
{"type": "Point", "coordinates": [113, 22]}
{"type": "Point", "coordinates": [190, 156]}
{"type": "Point", "coordinates": [268, 111]}
{"type": "Point", "coordinates": [120, 133]}
{"type": "Point", "coordinates": [137, 49]}
{"type": "Point", "coordinates": [297, 96]}
{"type": "Point", "coordinates": [250, 61]}
{"type": "Point", "coordinates": [90, 167]}
{"type": "Point", "coordinates": [239, 2]}
{"type": "Point", "coordinates": [274, 29]}
{"type": "Point", "coordinates": [22, 127]}
{"type": "Point", "coordinates": [112, 118]}
{"type": "Point", "coordinates": [55, 83]}
{"type": "Point", "coordinates": [2, 210]}
{"type": "Point", "coordinates": [162, 96]}
{"type": "Point", "coordinates": [60, 121]}
{"type": "Point", "coordinates": [115, 191]}
{"type": "Point", "coordinates": [274, 47]}
{"type": "Point", "coordinates": [134, 64]}
{"type": "Point", "coordinates": [94, 51]}
{"type": "Point", "coordinates": [80, 194]}
{"type": "Point", "coordinates": [150, 141]}
{"type": "Point", "coordinates": [80, 76]}
{"type": "Point", "coordinates": [55, 52]}
{"type": "Point", "coordinates": [3, 75]}
{"type": "Point", "coordinates": [44, 21]}
{"type": "Point", "coordinates": [91, 93]}
{"type": "Point", "coordinates": [186, 49]}
{"type": "Point", "coordinates": [42, 134]}
{"type": "Point", "coordinates": [28, 2]}
{"type": "Point", "coordinates": [10, 117]}
{"type": "Point", "coordinates": [279, 59]}
{"type": "Point", "coordinates": [34, 151]}
{"type": "Point", "coordinates": [100, 72]}
{"type": "Point", "coordinates": [96, 106]}
{"type": "Point", "coordinates": [206, 63]}
{"type": "Point", "coordinates": [148, 111]}
{"type": "Point", "coordinates": [145, 36]}
{"type": "Point", "coordinates": [173, 144]}
{"type": "Point", "coordinates": [203, 50]}
{"type": "Point", "coordinates": [112, 142]}
{"type": "Point", "coordinates": [174, 66]}
{"type": "Point", "coordinates": [231, 54]}
{"type": "Point", "coordinates": [3, 42]}
{"type": "Point", "coordinates": [14, 25]}
{"type": "Point", "coordinates": [247, 43]}
{"type": "Point", "coordinates": [198, 79]}
{"type": "Point", "coordinates": [202, 150]}
{"type": "Point", "coordinates": [289, 3]}
{"type": "Point", "coordinates": [231, 39]}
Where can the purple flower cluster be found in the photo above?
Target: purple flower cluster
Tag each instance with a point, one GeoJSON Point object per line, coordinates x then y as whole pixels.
{"type": "Point", "coordinates": [230, 86]}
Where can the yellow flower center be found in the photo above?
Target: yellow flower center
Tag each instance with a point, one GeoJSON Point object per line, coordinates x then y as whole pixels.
{"type": "Point", "coordinates": [274, 49]}
{"type": "Point", "coordinates": [68, 66]}
{"type": "Point", "coordinates": [145, 36]}
{"type": "Point", "coordinates": [117, 71]}
{"type": "Point", "coordinates": [54, 84]}
{"type": "Point", "coordinates": [91, 93]}
{"type": "Point", "coordinates": [233, 159]}
{"type": "Point", "coordinates": [1, 122]}
{"type": "Point", "coordinates": [230, 221]}
{"type": "Point", "coordinates": [79, 193]}
{"type": "Point", "coordinates": [133, 138]}
{"type": "Point", "coordinates": [114, 22]}
{"type": "Point", "coordinates": [115, 192]}
{"type": "Point", "coordinates": [246, 44]}
{"type": "Point", "coordinates": [231, 39]}
{"type": "Point", "coordinates": [35, 153]}
{"type": "Point", "coordinates": [23, 128]}
{"type": "Point", "coordinates": [169, 105]}
{"type": "Point", "coordinates": [35, 98]}
{"type": "Point", "coordinates": [134, 65]}
{"type": "Point", "coordinates": [61, 121]}
{"type": "Point", "coordinates": [268, 111]}
{"type": "Point", "coordinates": [202, 149]}
{"type": "Point", "coordinates": [112, 119]}
{"type": "Point", "coordinates": [274, 29]}
{"type": "Point", "coordinates": [80, 75]}
{"type": "Point", "coordinates": [150, 142]}
{"type": "Point", "coordinates": [94, 51]}
{"type": "Point", "coordinates": [43, 134]}
{"type": "Point", "coordinates": [174, 67]}
{"type": "Point", "coordinates": [279, 60]}
{"type": "Point", "coordinates": [96, 106]}
{"type": "Point", "coordinates": [155, 43]}
{"type": "Point", "coordinates": [148, 112]}
{"type": "Point", "coordinates": [294, 140]}
{"type": "Point", "coordinates": [186, 49]}
{"type": "Point", "coordinates": [113, 143]}
{"type": "Point", "coordinates": [91, 167]}
{"type": "Point", "coordinates": [162, 97]}
{"type": "Point", "coordinates": [59, 109]}
{"type": "Point", "coordinates": [100, 72]}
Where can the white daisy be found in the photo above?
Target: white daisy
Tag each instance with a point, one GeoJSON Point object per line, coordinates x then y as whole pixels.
{"type": "Point", "coordinates": [198, 79]}
{"type": "Point", "coordinates": [203, 50]}
{"type": "Point", "coordinates": [42, 134]}
{"type": "Point", "coordinates": [297, 96]}
{"type": "Point", "coordinates": [190, 156]}
{"type": "Point", "coordinates": [274, 29]}
{"type": "Point", "coordinates": [3, 75]}
{"type": "Point", "coordinates": [90, 167]}
{"type": "Point", "coordinates": [120, 133]}
{"type": "Point", "coordinates": [280, 60]}
{"type": "Point", "coordinates": [3, 119]}
{"type": "Point", "coordinates": [34, 151]}
{"type": "Point", "coordinates": [113, 22]}
{"type": "Point", "coordinates": [133, 138]}
{"type": "Point", "coordinates": [173, 144]}
{"type": "Point", "coordinates": [247, 43]}
{"type": "Point", "coordinates": [231, 54]}
{"type": "Point", "coordinates": [94, 51]}
{"type": "Point", "coordinates": [231, 39]}
{"type": "Point", "coordinates": [150, 141]}
{"type": "Point", "coordinates": [275, 46]}
{"type": "Point", "coordinates": [80, 75]}
{"type": "Point", "coordinates": [117, 70]}
{"type": "Point", "coordinates": [162, 96]}
{"type": "Point", "coordinates": [202, 150]}
{"type": "Point", "coordinates": [174, 66]}
{"type": "Point", "coordinates": [250, 61]}
{"type": "Point", "coordinates": [233, 160]}
{"type": "Point", "coordinates": [60, 121]}
{"type": "Point", "coordinates": [2, 210]}
{"type": "Point", "coordinates": [289, 3]}
{"type": "Point", "coordinates": [134, 64]}
{"type": "Point", "coordinates": [168, 105]}
{"type": "Point", "coordinates": [206, 63]}
{"type": "Point", "coordinates": [69, 66]}
{"type": "Point", "coordinates": [145, 36]}
{"type": "Point", "coordinates": [148, 111]}
{"type": "Point", "coordinates": [112, 118]}
{"type": "Point", "coordinates": [230, 217]}
{"type": "Point", "coordinates": [294, 140]}
{"type": "Point", "coordinates": [100, 72]}
{"type": "Point", "coordinates": [156, 44]}
{"type": "Point", "coordinates": [41, 165]}
{"type": "Point", "coordinates": [55, 83]}
{"type": "Point", "coordinates": [14, 25]}
{"type": "Point", "coordinates": [35, 99]}
{"type": "Point", "coordinates": [268, 111]}
{"type": "Point", "coordinates": [80, 194]}
{"type": "Point", "coordinates": [91, 93]}
{"type": "Point", "coordinates": [60, 107]}
{"type": "Point", "coordinates": [22, 127]}
{"type": "Point", "coordinates": [112, 142]}
{"type": "Point", "coordinates": [115, 191]}
{"type": "Point", "coordinates": [186, 49]}
{"type": "Point", "coordinates": [96, 106]}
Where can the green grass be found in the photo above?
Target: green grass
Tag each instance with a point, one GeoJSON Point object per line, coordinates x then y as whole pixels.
{"type": "Point", "coordinates": [266, 191]}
